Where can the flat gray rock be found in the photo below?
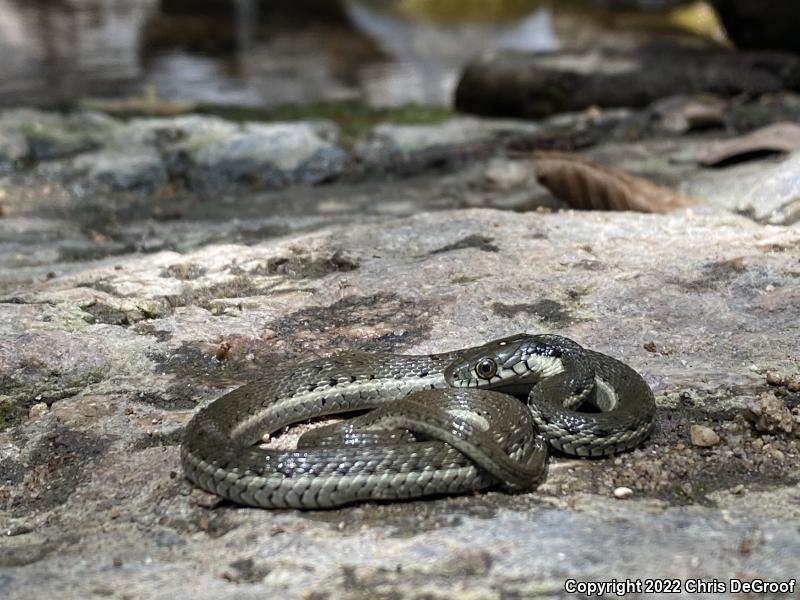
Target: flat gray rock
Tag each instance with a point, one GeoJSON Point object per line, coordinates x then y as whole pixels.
{"type": "Point", "coordinates": [127, 300]}
{"type": "Point", "coordinates": [767, 191]}
{"type": "Point", "coordinates": [703, 303]}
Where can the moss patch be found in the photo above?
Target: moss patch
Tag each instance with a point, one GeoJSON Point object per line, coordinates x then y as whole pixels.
{"type": "Point", "coordinates": [355, 120]}
{"type": "Point", "coordinates": [56, 467]}
{"type": "Point", "coordinates": [11, 414]}
{"type": "Point", "coordinates": [299, 265]}
{"type": "Point", "coordinates": [549, 311]}
{"type": "Point", "coordinates": [481, 242]}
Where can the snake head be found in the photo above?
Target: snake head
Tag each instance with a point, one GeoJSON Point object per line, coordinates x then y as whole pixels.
{"type": "Point", "coordinates": [513, 364]}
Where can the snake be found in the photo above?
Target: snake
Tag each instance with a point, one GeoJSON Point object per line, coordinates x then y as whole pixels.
{"type": "Point", "coordinates": [435, 424]}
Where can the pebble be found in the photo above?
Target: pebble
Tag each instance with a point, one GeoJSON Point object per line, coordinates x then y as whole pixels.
{"type": "Point", "coordinates": [769, 414]}
{"type": "Point", "coordinates": [750, 541]}
{"type": "Point", "coordinates": [204, 499]}
{"type": "Point", "coordinates": [773, 378]}
{"type": "Point", "coordinates": [703, 436]}
{"type": "Point", "coordinates": [37, 410]}
{"type": "Point", "coordinates": [623, 492]}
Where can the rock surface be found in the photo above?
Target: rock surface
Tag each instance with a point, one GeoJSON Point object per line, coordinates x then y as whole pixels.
{"type": "Point", "coordinates": [769, 191]}
{"type": "Point", "coordinates": [532, 85]}
{"type": "Point", "coordinates": [120, 312]}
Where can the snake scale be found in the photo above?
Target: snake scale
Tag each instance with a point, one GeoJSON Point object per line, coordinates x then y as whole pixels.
{"type": "Point", "coordinates": [441, 423]}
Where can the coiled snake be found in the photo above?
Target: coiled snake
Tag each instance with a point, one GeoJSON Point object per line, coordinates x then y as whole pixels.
{"type": "Point", "coordinates": [436, 427]}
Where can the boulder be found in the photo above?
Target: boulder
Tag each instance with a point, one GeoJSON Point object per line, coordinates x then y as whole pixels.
{"type": "Point", "coordinates": [529, 85]}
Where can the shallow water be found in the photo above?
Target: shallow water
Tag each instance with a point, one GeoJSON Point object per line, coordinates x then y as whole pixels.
{"type": "Point", "coordinates": [264, 54]}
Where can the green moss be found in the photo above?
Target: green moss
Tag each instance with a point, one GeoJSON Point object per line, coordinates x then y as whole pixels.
{"type": "Point", "coordinates": [354, 119]}
{"type": "Point", "coordinates": [10, 413]}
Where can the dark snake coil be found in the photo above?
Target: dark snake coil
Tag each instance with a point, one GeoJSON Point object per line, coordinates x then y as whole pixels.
{"type": "Point", "coordinates": [442, 423]}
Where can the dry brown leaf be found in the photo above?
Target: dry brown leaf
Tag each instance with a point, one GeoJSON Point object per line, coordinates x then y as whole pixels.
{"type": "Point", "coordinates": [783, 136]}
{"type": "Point", "coordinates": [583, 183]}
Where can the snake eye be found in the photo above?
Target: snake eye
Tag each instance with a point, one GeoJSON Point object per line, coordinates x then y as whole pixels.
{"type": "Point", "coordinates": [486, 368]}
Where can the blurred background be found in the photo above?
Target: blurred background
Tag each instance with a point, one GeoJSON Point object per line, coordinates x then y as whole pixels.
{"type": "Point", "coordinates": [266, 54]}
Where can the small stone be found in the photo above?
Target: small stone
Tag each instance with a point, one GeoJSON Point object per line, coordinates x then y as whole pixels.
{"type": "Point", "coordinates": [37, 410]}
{"type": "Point", "coordinates": [623, 492]}
{"type": "Point", "coordinates": [204, 499]}
{"type": "Point", "coordinates": [777, 455]}
{"type": "Point", "coordinates": [739, 490]}
{"type": "Point", "coordinates": [703, 436]}
{"type": "Point", "coordinates": [222, 351]}
{"type": "Point", "coordinates": [650, 346]}
{"type": "Point", "coordinates": [793, 383]}
{"type": "Point", "coordinates": [750, 541]}
{"type": "Point", "coordinates": [203, 523]}
{"type": "Point", "coordinates": [773, 378]}
{"type": "Point", "coordinates": [769, 414]}
{"type": "Point", "coordinates": [117, 561]}
{"type": "Point", "coordinates": [115, 512]}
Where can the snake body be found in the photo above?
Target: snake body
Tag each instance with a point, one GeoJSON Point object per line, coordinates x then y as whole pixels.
{"type": "Point", "coordinates": [441, 423]}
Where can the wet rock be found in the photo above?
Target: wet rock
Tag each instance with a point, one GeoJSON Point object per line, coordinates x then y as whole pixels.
{"type": "Point", "coordinates": [393, 147]}
{"type": "Point", "coordinates": [31, 135]}
{"type": "Point", "coordinates": [773, 195]}
{"type": "Point", "coordinates": [776, 138]}
{"type": "Point", "coordinates": [703, 437]}
{"type": "Point", "coordinates": [52, 137]}
{"type": "Point", "coordinates": [769, 414]}
{"type": "Point", "coordinates": [186, 129]}
{"type": "Point", "coordinates": [765, 190]}
{"type": "Point", "coordinates": [207, 153]}
{"type": "Point", "coordinates": [133, 169]}
{"type": "Point", "coordinates": [532, 85]}
{"type": "Point", "coordinates": [264, 155]}
{"type": "Point", "coordinates": [13, 144]}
